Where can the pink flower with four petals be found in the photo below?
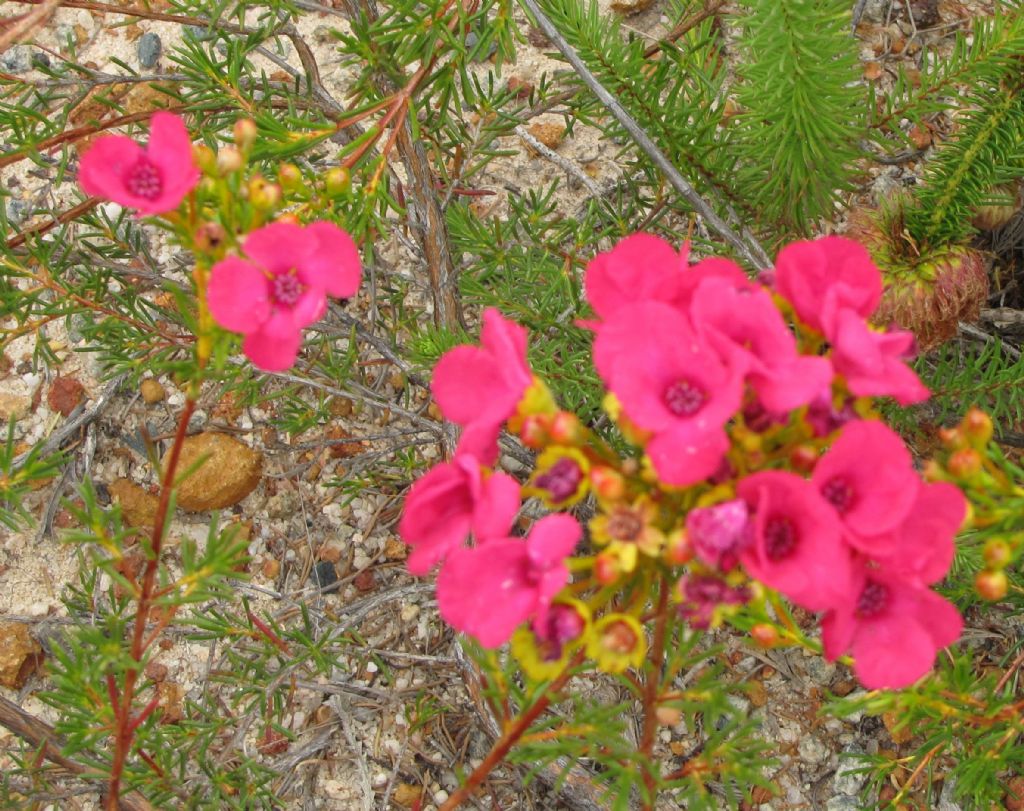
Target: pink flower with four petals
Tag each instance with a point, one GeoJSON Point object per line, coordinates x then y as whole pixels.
{"type": "Point", "coordinates": [154, 179]}
{"type": "Point", "coordinates": [282, 287]}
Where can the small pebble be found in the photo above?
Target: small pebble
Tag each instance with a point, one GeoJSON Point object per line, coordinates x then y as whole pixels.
{"type": "Point", "coordinates": [17, 211]}
{"type": "Point", "coordinates": [17, 59]}
{"type": "Point", "coordinates": [66, 36]}
{"type": "Point", "coordinates": [440, 796]}
{"type": "Point", "coordinates": [152, 391]}
{"type": "Point", "coordinates": [40, 60]}
{"type": "Point", "coordinates": [472, 39]}
{"type": "Point", "coordinates": [324, 575]}
{"type": "Point", "coordinates": [150, 48]}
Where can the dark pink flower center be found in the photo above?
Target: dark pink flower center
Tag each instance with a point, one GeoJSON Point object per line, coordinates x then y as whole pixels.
{"type": "Point", "coordinates": [144, 179]}
{"type": "Point", "coordinates": [873, 600]}
{"type": "Point", "coordinates": [839, 494]}
{"type": "Point", "coordinates": [561, 479]}
{"type": "Point", "coordinates": [286, 289]}
{"type": "Point", "coordinates": [684, 398]}
{"type": "Point", "coordinates": [562, 625]}
{"type": "Point", "coordinates": [779, 538]}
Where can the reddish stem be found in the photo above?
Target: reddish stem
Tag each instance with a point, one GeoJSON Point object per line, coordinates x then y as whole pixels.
{"type": "Point", "coordinates": [651, 690]}
{"type": "Point", "coordinates": [125, 733]}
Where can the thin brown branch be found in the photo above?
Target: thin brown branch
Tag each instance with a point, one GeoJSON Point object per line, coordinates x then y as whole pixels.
{"type": "Point", "coordinates": [684, 26]}
{"type": "Point", "coordinates": [43, 737]}
{"type": "Point", "coordinates": [24, 25]}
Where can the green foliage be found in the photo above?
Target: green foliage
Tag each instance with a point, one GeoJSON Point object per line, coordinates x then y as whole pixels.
{"type": "Point", "coordinates": [963, 374]}
{"type": "Point", "coordinates": [802, 114]}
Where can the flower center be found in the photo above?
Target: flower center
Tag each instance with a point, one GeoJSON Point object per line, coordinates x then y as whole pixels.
{"type": "Point", "coordinates": [839, 494]}
{"type": "Point", "coordinates": [560, 480]}
{"type": "Point", "coordinates": [779, 538]}
{"type": "Point", "coordinates": [287, 289]}
{"type": "Point", "coordinates": [144, 179]}
{"type": "Point", "coordinates": [873, 600]}
{"type": "Point", "coordinates": [619, 638]}
{"type": "Point", "coordinates": [684, 398]}
{"type": "Point", "coordinates": [625, 525]}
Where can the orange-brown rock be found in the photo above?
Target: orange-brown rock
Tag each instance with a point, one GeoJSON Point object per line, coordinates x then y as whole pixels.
{"type": "Point", "coordinates": [228, 472]}
{"type": "Point", "coordinates": [20, 655]}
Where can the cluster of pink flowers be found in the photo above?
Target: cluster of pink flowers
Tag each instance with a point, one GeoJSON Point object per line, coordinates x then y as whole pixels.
{"type": "Point", "coordinates": [693, 357]}
{"type": "Point", "coordinates": [488, 590]}
{"type": "Point", "coordinates": [282, 284]}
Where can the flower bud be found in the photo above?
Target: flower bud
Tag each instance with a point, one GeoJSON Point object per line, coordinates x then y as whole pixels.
{"type": "Point", "coordinates": [765, 635]}
{"type": "Point", "coordinates": [206, 160]}
{"type": "Point", "coordinates": [606, 568]}
{"type": "Point", "coordinates": [337, 180]}
{"type": "Point", "coordinates": [952, 438]}
{"type": "Point", "coordinates": [933, 471]}
{"type": "Point", "coordinates": [607, 483]}
{"type": "Point", "coordinates": [803, 458]}
{"type": "Point", "coordinates": [678, 548]}
{"type": "Point", "coordinates": [991, 585]}
{"type": "Point", "coordinates": [229, 160]}
{"type": "Point", "coordinates": [996, 554]}
{"type": "Point", "coordinates": [209, 237]}
{"type": "Point", "coordinates": [533, 431]}
{"type": "Point", "coordinates": [262, 194]}
{"type": "Point", "coordinates": [964, 463]}
{"type": "Point", "coordinates": [565, 428]}
{"type": "Point", "coordinates": [289, 176]}
{"type": "Point", "coordinates": [245, 133]}
{"type": "Point", "coordinates": [977, 426]}
{"type": "Point", "coordinates": [291, 219]}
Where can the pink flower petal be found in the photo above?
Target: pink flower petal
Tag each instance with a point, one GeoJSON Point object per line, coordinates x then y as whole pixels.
{"type": "Point", "coordinates": [279, 247]}
{"type": "Point", "coordinates": [684, 455]}
{"type": "Point", "coordinates": [310, 307]}
{"type": "Point", "coordinates": [238, 295]}
{"type": "Point", "coordinates": [437, 516]}
{"type": "Point", "coordinates": [170, 148]}
{"type": "Point", "coordinates": [892, 655]}
{"type": "Point", "coordinates": [640, 267]}
{"type": "Point", "coordinates": [103, 167]}
{"type": "Point", "coordinates": [872, 362]}
{"type": "Point", "coordinates": [497, 506]}
{"type": "Point", "coordinates": [275, 346]}
{"type": "Point", "coordinates": [552, 539]}
{"type": "Point", "coordinates": [486, 592]}
{"type": "Point", "coordinates": [334, 264]}
{"type": "Point", "coordinates": [468, 385]}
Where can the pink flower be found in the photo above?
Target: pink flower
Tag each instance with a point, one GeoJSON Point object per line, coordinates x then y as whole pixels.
{"type": "Point", "coordinates": [671, 384]}
{"type": "Point", "coordinates": [718, 533]}
{"type": "Point", "coordinates": [893, 627]}
{"type": "Point", "coordinates": [922, 547]}
{"type": "Point", "coordinates": [450, 501]}
{"type": "Point", "coordinates": [797, 546]}
{"type": "Point", "coordinates": [868, 477]}
{"type": "Point", "coordinates": [283, 288]}
{"type": "Point", "coordinates": [480, 387]}
{"type": "Point", "coordinates": [491, 589]}
{"type": "Point", "coordinates": [822, 276]}
{"type": "Point", "coordinates": [153, 180]}
{"type": "Point", "coordinates": [874, 363]}
{"type": "Point", "coordinates": [739, 319]}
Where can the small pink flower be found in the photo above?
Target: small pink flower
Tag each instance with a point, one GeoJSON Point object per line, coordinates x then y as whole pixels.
{"type": "Point", "coordinates": [452, 500]}
{"type": "Point", "coordinates": [480, 387]}
{"type": "Point", "coordinates": [874, 363]}
{"type": "Point", "coordinates": [922, 547]}
{"type": "Point", "coordinates": [797, 545]}
{"type": "Point", "coordinates": [153, 180]}
{"type": "Point", "coordinates": [868, 477]}
{"type": "Point", "coordinates": [671, 384]}
{"type": "Point", "coordinates": [488, 591]}
{"type": "Point", "coordinates": [719, 533]}
{"type": "Point", "coordinates": [893, 627]}
{"type": "Point", "coordinates": [739, 318]}
{"type": "Point", "coordinates": [284, 287]}
{"type": "Point", "coordinates": [822, 276]}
